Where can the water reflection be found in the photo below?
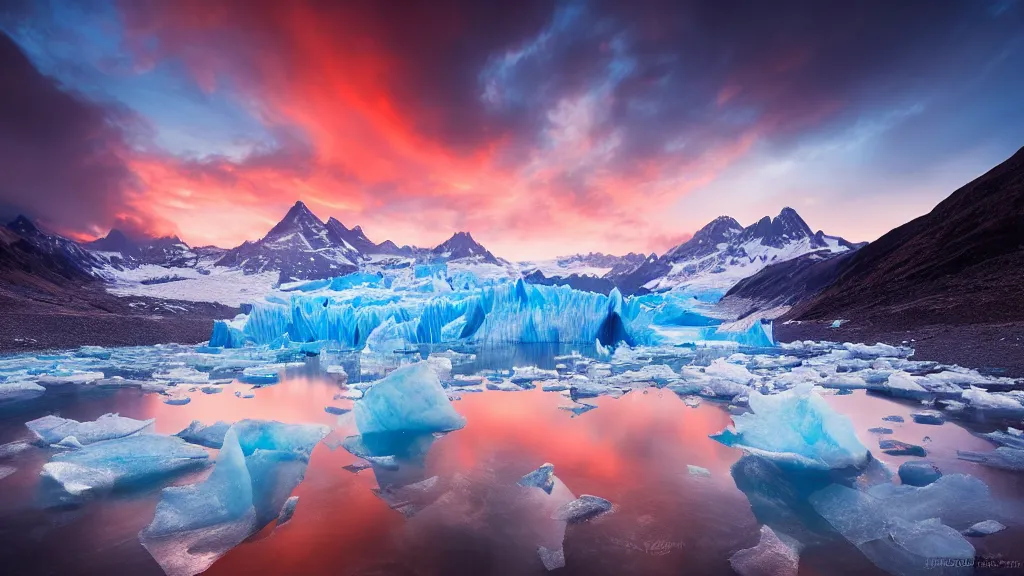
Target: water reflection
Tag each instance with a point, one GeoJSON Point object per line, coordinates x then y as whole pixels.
{"type": "Point", "coordinates": [449, 504]}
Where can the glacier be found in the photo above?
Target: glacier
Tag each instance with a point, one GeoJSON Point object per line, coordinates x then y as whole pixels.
{"type": "Point", "coordinates": [360, 312]}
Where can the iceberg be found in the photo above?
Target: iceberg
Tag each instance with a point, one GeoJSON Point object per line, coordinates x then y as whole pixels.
{"type": "Point", "coordinates": [52, 429]}
{"type": "Point", "coordinates": [981, 399]}
{"type": "Point", "coordinates": [260, 463]}
{"type": "Point", "coordinates": [195, 525]}
{"type": "Point", "coordinates": [796, 427]}
{"type": "Point", "coordinates": [122, 463]}
{"type": "Point", "coordinates": [771, 557]}
{"type": "Point", "coordinates": [582, 509]}
{"type": "Point", "coordinates": [409, 399]}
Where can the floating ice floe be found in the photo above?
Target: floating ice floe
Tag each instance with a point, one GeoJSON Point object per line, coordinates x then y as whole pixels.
{"type": "Point", "coordinates": [931, 417]}
{"type": "Point", "coordinates": [582, 509]}
{"type": "Point", "coordinates": [6, 471]}
{"type": "Point", "coordinates": [771, 557]}
{"type": "Point", "coordinates": [122, 463]}
{"type": "Point", "coordinates": [697, 470]}
{"type": "Point", "coordinates": [11, 392]}
{"type": "Point", "coordinates": [409, 399]}
{"type": "Point", "coordinates": [12, 449]}
{"type": "Point", "coordinates": [288, 510]}
{"type": "Point", "coordinates": [897, 448]}
{"type": "Point", "coordinates": [1012, 438]}
{"type": "Point", "coordinates": [981, 399]}
{"type": "Point", "coordinates": [68, 378]}
{"type": "Point", "coordinates": [52, 429]}
{"type": "Point", "coordinates": [796, 427]}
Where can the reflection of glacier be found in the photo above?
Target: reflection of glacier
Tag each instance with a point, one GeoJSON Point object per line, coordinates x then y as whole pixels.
{"type": "Point", "coordinates": [385, 319]}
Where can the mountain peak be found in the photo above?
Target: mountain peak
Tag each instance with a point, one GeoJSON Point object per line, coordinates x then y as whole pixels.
{"type": "Point", "coordinates": [22, 225]}
{"type": "Point", "coordinates": [462, 245]}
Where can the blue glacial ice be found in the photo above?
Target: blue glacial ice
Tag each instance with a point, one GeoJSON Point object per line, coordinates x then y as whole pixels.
{"type": "Point", "coordinates": [986, 528]}
{"type": "Point", "coordinates": [410, 399]}
{"type": "Point", "coordinates": [796, 427]}
{"type": "Point", "coordinates": [122, 463]}
{"type": "Point", "coordinates": [504, 313]}
{"type": "Point", "coordinates": [1003, 457]}
{"type": "Point", "coordinates": [260, 463]}
{"type": "Point", "coordinates": [53, 429]}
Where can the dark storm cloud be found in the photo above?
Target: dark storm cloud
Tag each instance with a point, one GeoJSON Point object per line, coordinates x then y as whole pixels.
{"type": "Point", "coordinates": [60, 155]}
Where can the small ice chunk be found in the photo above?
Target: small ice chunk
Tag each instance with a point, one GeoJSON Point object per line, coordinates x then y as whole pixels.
{"type": "Point", "coordinates": [918, 473]}
{"type": "Point", "coordinates": [697, 470]}
{"type": "Point", "coordinates": [984, 528]}
{"type": "Point", "coordinates": [903, 385]}
{"type": "Point", "coordinates": [288, 510]}
{"type": "Point", "coordinates": [771, 557]}
{"type": "Point", "coordinates": [554, 386]}
{"type": "Point", "coordinates": [441, 366]}
{"type": "Point", "coordinates": [336, 410]}
{"type": "Point", "coordinates": [581, 509]}
{"type": "Point", "coordinates": [505, 386]}
{"type": "Point", "coordinates": [1003, 457]}
{"type": "Point", "coordinates": [11, 392]}
{"type": "Point", "coordinates": [349, 394]}
{"type": "Point", "coordinates": [796, 427]}
{"type": "Point", "coordinates": [244, 395]}
{"type": "Point", "coordinates": [52, 429]}
{"type": "Point", "coordinates": [893, 418]}
{"type": "Point", "coordinates": [337, 370]}
{"type": "Point", "coordinates": [691, 401]}
{"type": "Point", "coordinates": [933, 417]}
{"type": "Point", "coordinates": [68, 443]}
{"type": "Point", "coordinates": [552, 559]}
{"type": "Point", "coordinates": [409, 399]}
{"type": "Point", "coordinates": [211, 436]}
{"type": "Point", "coordinates": [6, 471]}
{"type": "Point", "coordinates": [122, 462]}
{"type": "Point", "coordinates": [896, 448]}
{"type": "Point", "coordinates": [212, 389]}
{"type": "Point", "coordinates": [880, 430]}
{"type": "Point", "coordinates": [357, 467]}
{"type": "Point", "coordinates": [177, 400]}
{"type": "Point", "coordinates": [1007, 438]}
{"type": "Point", "coordinates": [540, 478]}
{"type": "Point", "coordinates": [522, 374]}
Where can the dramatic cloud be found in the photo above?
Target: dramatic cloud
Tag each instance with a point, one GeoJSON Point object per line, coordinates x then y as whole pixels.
{"type": "Point", "coordinates": [61, 156]}
{"type": "Point", "coordinates": [544, 127]}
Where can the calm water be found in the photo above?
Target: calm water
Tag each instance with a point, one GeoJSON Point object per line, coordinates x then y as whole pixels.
{"type": "Point", "coordinates": [633, 451]}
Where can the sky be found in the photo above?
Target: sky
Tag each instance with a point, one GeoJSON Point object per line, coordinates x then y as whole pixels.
{"type": "Point", "coordinates": [543, 127]}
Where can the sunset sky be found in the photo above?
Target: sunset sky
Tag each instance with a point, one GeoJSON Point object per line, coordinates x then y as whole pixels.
{"type": "Point", "coordinates": [542, 127]}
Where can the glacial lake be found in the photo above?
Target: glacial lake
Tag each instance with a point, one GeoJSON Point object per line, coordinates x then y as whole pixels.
{"type": "Point", "coordinates": [633, 450]}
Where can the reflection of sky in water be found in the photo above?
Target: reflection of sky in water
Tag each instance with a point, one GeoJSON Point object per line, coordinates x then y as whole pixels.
{"type": "Point", "coordinates": [632, 451]}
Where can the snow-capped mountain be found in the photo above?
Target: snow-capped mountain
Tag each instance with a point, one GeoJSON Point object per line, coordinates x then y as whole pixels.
{"type": "Point", "coordinates": [300, 247]}
{"type": "Point", "coordinates": [120, 251]}
{"type": "Point", "coordinates": [724, 252]}
{"type": "Point", "coordinates": [55, 245]}
{"type": "Point", "coordinates": [595, 264]}
{"type": "Point", "coordinates": [461, 246]}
